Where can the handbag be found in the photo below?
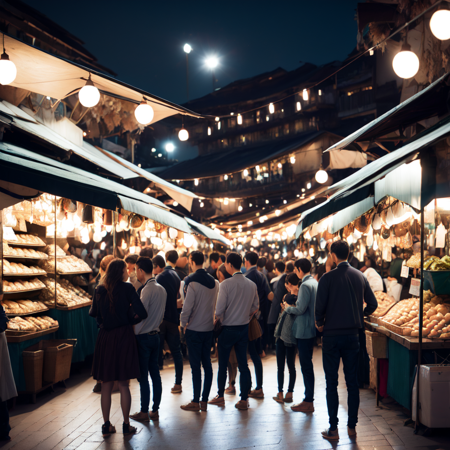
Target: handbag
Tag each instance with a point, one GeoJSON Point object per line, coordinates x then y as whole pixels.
{"type": "Point", "coordinates": [217, 329]}
{"type": "Point", "coordinates": [254, 329]}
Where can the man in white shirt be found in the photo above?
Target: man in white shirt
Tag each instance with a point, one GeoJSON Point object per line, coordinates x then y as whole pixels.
{"type": "Point", "coordinates": [197, 318]}
{"type": "Point", "coordinates": [238, 301]}
{"type": "Point", "coordinates": [153, 297]}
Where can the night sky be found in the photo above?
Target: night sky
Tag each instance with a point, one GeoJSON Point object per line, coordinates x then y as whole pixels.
{"type": "Point", "coordinates": [143, 41]}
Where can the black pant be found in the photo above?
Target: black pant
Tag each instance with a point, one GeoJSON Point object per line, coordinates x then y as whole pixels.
{"type": "Point", "coordinates": [305, 355]}
{"type": "Point", "coordinates": [253, 350]}
{"type": "Point", "coordinates": [286, 354]}
{"type": "Point", "coordinates": [169, 332]}
{"type": "Point", "coordinates": [4, 420]}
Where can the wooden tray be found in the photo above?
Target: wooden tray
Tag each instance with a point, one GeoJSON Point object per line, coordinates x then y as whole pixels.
{"type": "Point", "coordinates": [26, 290]}
{"type": "Point", "coordinates": [74, 273]}
{"type": "Point", "coordinates": [394, 328]}
{"type": "Point", "coordinates": [20, 244]}
{"type": "Point", "coordinates": [15, 336]}
{"type": "Point", "coordinates": [26, 258]}
{"type": "Point", "coordinates": [70, 308]}
{"type": "Point", "coordinates": [27, 274]}
{"type": "Point", "coordinates": [27, 313]}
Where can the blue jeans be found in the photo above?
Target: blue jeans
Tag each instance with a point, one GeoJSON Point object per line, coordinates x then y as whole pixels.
{"type": "Point", "coordinates": [305, 356]}
{"type": "Point", "coordinates": [333, 349]}
{"type": "Point", "coordinates": [236, 336]}
{"type": "Point", "coordinates": [254, 347]}
{"type": "Point", "coordinates": [169, 332]}
{"type": "Point", "coordinates": [199, 348]}
{"type": "Point", "coordinates": [148, 348]}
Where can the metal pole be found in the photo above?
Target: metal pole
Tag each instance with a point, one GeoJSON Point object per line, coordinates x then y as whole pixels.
{"type": "Point", "coordinates": [55, 249]}
{"type": "Point", "coordinates": [213, 79]}
{"type": "Point", "coordinates": [187, 76]}
{"type": "Point", "coordinates": [419, 353]}
{"type": "Point", "coordinates": [114, 233]}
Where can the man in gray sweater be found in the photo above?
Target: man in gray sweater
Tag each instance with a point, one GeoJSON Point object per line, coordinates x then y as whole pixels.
{"type": "Point", "coordinates": [197, 317]}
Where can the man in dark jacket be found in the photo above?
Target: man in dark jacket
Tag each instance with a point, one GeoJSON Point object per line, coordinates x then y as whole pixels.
{"type": "Point", "coordinates": [170, 281]}
{"type": "Point", "coordinates": [340, 315]}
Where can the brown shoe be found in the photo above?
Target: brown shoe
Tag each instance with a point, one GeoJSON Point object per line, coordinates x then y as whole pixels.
{"type": "Point", "coordinates": [140, 416]}
{"type": "Point", "coordinates": [203, 406]}
{"type": "Point", "coordinates": [230, 390]}
{"type": "Point", "coordinates": [218, 401]}
{"type": "Point", "coordinates": [242, 405]}
{"type": "Point", "coordinates": [330, 435]}
{"type": "Point", "coordinates": [176, 389]}
{"type": "Point", "coordinates": [192, 406]}
{"type": "Point", "coordinates": [279, 398]}
{"type": "Point", "coordinates": [306, 407]}
{"type": "Point", "coordinates": [154, 415]}
{"type": "Point", "coordinates": [288, 398]}
{"type": "Point", "coordinates": [256, 393]}
{"type": "Point", "coordinates": [351, 431]}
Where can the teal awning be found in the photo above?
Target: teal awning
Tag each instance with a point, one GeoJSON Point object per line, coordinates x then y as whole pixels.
{"type": "Point", "coordinates": [207, 232]}
{"type": "Point", "coordinates": [349, 214]}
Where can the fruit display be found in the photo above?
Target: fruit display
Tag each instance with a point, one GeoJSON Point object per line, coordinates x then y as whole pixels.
{"type": "Point", "coordinates": [67, 265]}
{"type": "Point", "coordinates": [403, 312]}
{"type": "Point", "coordinates": [67, 294]}
{"type": "Point", "coordinates": [22, 285]}
{"type": "Point", "coordinates": [19, 252]}
{"type": "Point", "coordinates": [436, 320]}
{"type": "Point", "coordinates": [32, 324]}
{"type": "Point", "coordinates": [385, 302]}
{"type": "Point", "coordinates": [435, 264]}
{"type": "Point", "coordinates": [27, 239]}
{"type": "Point", "coordinates": [12, 268]}
{"type": "Point", "coordinates": [23, 306]}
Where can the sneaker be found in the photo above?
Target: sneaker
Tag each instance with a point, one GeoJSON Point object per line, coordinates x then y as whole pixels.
{"type": "Point", "coordinates": [288, 397]}
{"type": "Point", "coordinates": [218, 401]}
{"type": "Point", "coordinates": [230, 390]}
{"type": "Point", "coordinates": [279, 398]}
{"type": "Point", "coordinates": [154, 415]}
{"type": "Point", "coordinates": [192, 406]}
{"type": "Point", "coordinates": [242, 405]}
{"type": "Point", "coordinates": [351, 431]}
{"type": "Point", "coordinates": [176, 389]}
{"type": "Point", "coordinates": [140, 416]}
{"type": "Point", "coordinates": [203, 406]}
{"type": "Point", "coordinates": [306, 407]}
{"type": "Point", "coordinates": [256, 393]}
{"type": "Point", "coordinates": [330, 435]}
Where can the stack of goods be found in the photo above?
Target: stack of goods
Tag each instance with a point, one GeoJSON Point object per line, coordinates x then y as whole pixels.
{"type": "Point", "coordinates": [28, 239]}
{"type": "Point", "coordinates": [385, 303]}
{"type": "Point", "coordinates": [22, 285]}
{"type": "Point", "coordinates": [12, 268]}
{"type": "Point", "coordinates": [23, 306]}
{"type": "Point", "coordinates": [70, 264]}
{"type": "Point", "coordinates": [22, 252]}
{"type": "Point", "coordinates": [50, 250]}
{"type": "Point", "coordinates": [435, 264]}
{"type": "Point", "coordinates": [67, 294]}
{"type": "Point", "coordinates": [414, 261]}
{"type": "Point", "coordinates": [436, 320]}
{"type": "Point", "coordinates": [32, 324]}
{"type": "Point", "coordinates": [402, 313]}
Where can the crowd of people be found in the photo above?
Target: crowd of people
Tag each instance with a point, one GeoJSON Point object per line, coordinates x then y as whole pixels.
{"type": "Point", "coordinates": [234, 309]}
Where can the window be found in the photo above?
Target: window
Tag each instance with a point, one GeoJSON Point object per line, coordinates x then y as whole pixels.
{"type": "Point", "coordinates": [286, 128]}
{"type": "Point", "coordinates": [258, 116]}
{"type": "Point", "coordinates": [299, 126]}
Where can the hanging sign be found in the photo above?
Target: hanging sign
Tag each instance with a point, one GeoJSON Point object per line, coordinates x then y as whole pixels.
{"type": "Point", "coordinates": [440, 236]}
{"type": "Point", "coordinates": [415, 287]}
{"type": "Point", "coordinates": [405, 271]}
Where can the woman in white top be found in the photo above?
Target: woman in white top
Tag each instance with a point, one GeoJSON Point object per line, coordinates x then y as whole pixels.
{"type": "Point", "coordinates": [374, 279]}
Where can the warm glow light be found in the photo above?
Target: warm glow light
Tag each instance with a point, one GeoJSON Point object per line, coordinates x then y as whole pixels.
{"type": "Point", "coordinates": [440, 24]}
{"type": "Point", "coordinates": [8, 70]}
{"type": "Point", "coordinates": [175, 204]}
{"type": "Point", "coordinates": [202, 205]}
{"type": "Point", "coordinates": [212, 62]}
{"type": "Point", "coordinates": [183, 135]}
{"type": "Point", "coordinates": [292, 159]}
{"type": "Point", "coordinates": [225, 177]}
{"type": "Point", "coordinates": [103, 246]}
{"type": "Point", "coordinates": [188, 240]}
{"type": "Point", "coordinates": [196, 182]}
{"type": "Point", "coordinates": [277, 212]}
{"type": "Point", "coordinates": [187, 48]}
{"type": "Point", "coordinates": [144, 113]}
{"type": "Point", "coordinates": [321, 176]}
{"type": "Point", "coordinates": [170, 147]}
{"type": "Point", "coordinates": [305, 95]}
{"type": "Point", "coordinates": [405, 63]}
{"type": "Point", "coordinates": [225, 201]}
{"type": "Point", "coordinates": [280, 165]}
{"type": "Point", "coordinates": [250, 223]}
{"type": "Point", "coordinates": [299, 106]}
{"type": "Point", "coordinates": [308, 186]}
{"type": "Point", "coordinates": [271, 108]}
{"type": "Point", "coordinates": [245, 173]}
{"type": "Point", "coordinates": [239, 119]}
{"type": "Point", "coordinates": [217, 119]}
{"type": "Point", "coordinates": [209, 131]}
{"type": "Point", "coordinates": [89, 95]}
{"type": "Point", "coordinates": [240, 208]}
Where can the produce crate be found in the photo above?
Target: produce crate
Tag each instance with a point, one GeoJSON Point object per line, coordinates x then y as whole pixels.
{"type": "Point", "coordinates": [33, 365]}
{"type": "Point", "coordinates": [376, 344]}
{"type": "Point", "coordinates": [439, 281]}
{"type": "Point", "coordinates": [395, 328]}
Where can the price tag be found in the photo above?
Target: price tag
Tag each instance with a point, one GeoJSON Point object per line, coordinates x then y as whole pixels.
{"type": "Point", "coordinates": [405, 271]}
{"type": "Point", "coordinates": [415, 287]}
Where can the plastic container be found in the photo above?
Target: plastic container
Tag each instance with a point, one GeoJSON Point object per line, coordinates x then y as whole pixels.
{"type": "Point", "coordinates": [439, 281]}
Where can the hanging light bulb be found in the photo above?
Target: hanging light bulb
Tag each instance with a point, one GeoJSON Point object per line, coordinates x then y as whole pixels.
{"type": "Point", "coordinates": [124, 245]}
{"type": "Point", "coordinates": [173, 233]}
{"type": "Point", "coordinates": [97, 237]}
{"type": "Point", "coordinates": [8, 70]}
{"type": "Point", "coordinates": [321, 176]}
{"type": "Point", "coordinates": [240, 208]}
{"type": "Point", "coordinates": [239, 119]}
{"type": "Point", "coordinates": [103, 246]}
{"type": "Point", "coordinates": [308, 186]}
{"type": "Point", "coordinates": [89, 95]}
{"type": "Point", "coordinates": [305, 95]}
{"type": "Point", "coordinates": [245, 173]}
{"type": "Point", "coordinates": [375, 245]}
{"type": "Point", "coordinates": [188, 240]}
{"type": "Point", "coordinates": [144, 113]}
{"type": "Point", "coordinates": [271, 108]}
{"type": "Point", "coordinates": [440, 24]}
{"type": "Point", "coordinates": [209, 131]}
{"type": "Point", "coordinates": [196, 181]}
{"type": "Point", "coordinates": [183, 135]}
{"type": "Point", "coordinates": [299, 106]}
{"type": "Point", "coordinates": [292, 159]}
{"type": "Point", "coordinates": [390, 218]}
{"type": "Point", "coordinates": [323, 243]}
{"type": "Point", "coordinates": [225, 201]}
{"type": "Point", "coordinates": [405, 62]}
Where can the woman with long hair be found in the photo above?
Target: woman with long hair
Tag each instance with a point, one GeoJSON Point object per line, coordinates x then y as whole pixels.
{"type": "Point", "coordinates": [117, 307]}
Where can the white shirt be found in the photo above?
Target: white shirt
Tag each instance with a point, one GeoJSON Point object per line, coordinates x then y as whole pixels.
{"type": "Point", "coordinates": [374, 279]}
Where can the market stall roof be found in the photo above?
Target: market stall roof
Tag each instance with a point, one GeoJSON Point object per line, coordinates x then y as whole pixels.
{"type": "Point", "coordinates": [56, 77]}
{"type": "Point", "coordinates": [182, 196]}
{"type": "Point", "coordinates": [360, 185]}
{"type": "Point", "coordinates": [235, 160]}
{"type": "Point", "coordinates": [207, 232]}
{"type": "Point", "coordinates": [431, 101]}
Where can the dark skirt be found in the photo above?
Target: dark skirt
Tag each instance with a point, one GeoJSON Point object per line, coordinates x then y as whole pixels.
{"type": "Point", "coordinates": [116, 355]}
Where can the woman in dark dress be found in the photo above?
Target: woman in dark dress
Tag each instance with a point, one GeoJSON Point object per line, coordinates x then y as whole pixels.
{"type": "Point", "coordinates": [117, 307]}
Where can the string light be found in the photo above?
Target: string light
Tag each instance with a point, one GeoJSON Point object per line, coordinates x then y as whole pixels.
{"type": "Point", "coordinates": [8, 70]}
{"type": "Point", "coordinates": [305, 95]}
{"type": "Point", "coordinates": [225, 177]}
{"type": "Point", "coordinates": [245, 173]}
{"type": "Point", "coordinates": [292, 159]}
{"type": "Point", "coordinates": [299, 106]}
{"type": "Point", "coordinates": [440, 24]}
{"type": "Point", "coordinates": [144, 113]}
{"type": "Point", "coordinates": [321, 176]}
{"type": "Point", "coordinates": [271, 108]}
{"type": "Point", "coordinates": [89, 95]}
{"type": "Point", "coordinates": [209, 131]}
{"type": "Point", "coordinates": [196, 181]}
{"type": "Point", "coordinates": [183, 134]}
{"type": "Point", "coordinates": [406, 62]}
{"type": "Point", "coordinates": [239, 119]}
